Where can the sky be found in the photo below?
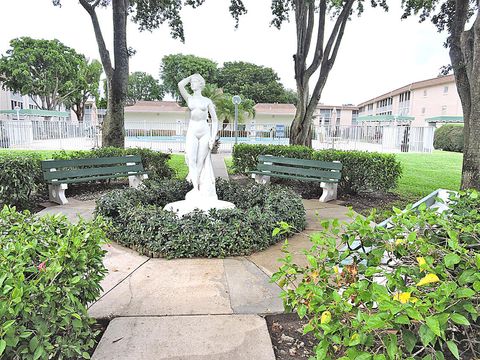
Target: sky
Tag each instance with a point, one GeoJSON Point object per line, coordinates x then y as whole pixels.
{"type": "Point", "coordinates": [379, 52]}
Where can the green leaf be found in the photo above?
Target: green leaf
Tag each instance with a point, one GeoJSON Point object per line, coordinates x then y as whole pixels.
{"type": "Point", "coordinates": [364, 356]}
{"type": "Point", "coordinates": [379, 357]}
{"type": "Point", "coordinates": [439, 356]}
{"type": "Point", "coordinates": [465, 293]}
{"type": "Point", "coordinates": [453, 349]}
{"type": "Point", "coordinates": [86, 355]}
{"type": "Point", "coordinates": [409, 339]}
{"type": "Point", "coordinates": [38, 352]}
{"type": "Point", "coordinates": [302, 311]}
{"type": "Point", "coordinates": [275, 232]}
{"type": "Point", "coordinates": [426, 335]}
{"type": "Point", "coordinates": [3, 345]}
{"type": "Point", "coordinates": [414, 314]}
{"type": "Point", "coordinates": [451, 260]}
{"type": "Point", "coordinates": [392, 348]}
{"type": "Point", "coordinates": [459, 319]}
{"type": "Point", "coordinates": [313, 262]}
{"type": "Point", "coordinates": [402, 319]}
{"type": "Point", "coordinates": [434, 325]}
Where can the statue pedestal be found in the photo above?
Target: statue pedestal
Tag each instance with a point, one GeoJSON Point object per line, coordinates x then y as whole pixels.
{"type": "Point", "coordinates": [195, 200]}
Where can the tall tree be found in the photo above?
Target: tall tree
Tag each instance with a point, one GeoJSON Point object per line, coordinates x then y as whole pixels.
{"type": "Point", "coordinates": [259, 83]}
{"type": "Point", "coordinates": [176, 67]}
{"type": "Point", "coordinates": [88, 85]}
{"type": "Point", "coordinates": [143, 86]}
{"type": "Point", "coordinates": [308, 15]}
{"type": "Point", "coordinates": [149, 15]}
{"type": "Point", "coordinates": [464, 49]}
{"type": "Point", "coordinates": [45, 69]}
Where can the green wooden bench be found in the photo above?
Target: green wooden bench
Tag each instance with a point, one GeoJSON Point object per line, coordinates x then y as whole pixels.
{"type": "Point", "coordinates": [327, 173]}
{"type": "Point", "coordinates": [59, 173]}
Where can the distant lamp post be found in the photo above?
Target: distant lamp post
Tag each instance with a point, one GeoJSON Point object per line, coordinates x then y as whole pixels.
{"type": "Point", "coordinates": [17, 109]}
{"type": "Point", "coordinates": [236, 101]}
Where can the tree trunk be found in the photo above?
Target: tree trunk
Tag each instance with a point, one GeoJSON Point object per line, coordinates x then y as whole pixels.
{"type": "Point", "coordinates": [301, 128]}
{"type": "Point", "coordinates": [78, 109]}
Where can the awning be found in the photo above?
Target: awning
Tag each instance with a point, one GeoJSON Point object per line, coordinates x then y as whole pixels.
{"type": "Point", "coordinates": [385, 118]}
{"type": "Point", "coordinates": [445, 119]}
{"type": "Point", "coordinates": [36, 112]}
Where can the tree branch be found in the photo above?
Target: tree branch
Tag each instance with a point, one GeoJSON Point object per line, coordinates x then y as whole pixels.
{"type": "Point", "coordinates": [309, 31]}
{"type": "Point", "coordinates": [102, 48]}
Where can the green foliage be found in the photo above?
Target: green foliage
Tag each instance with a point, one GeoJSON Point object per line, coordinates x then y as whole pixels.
{"type": "Point", "coordinates": [259, 83]}
{"type": "Point", "coordinates": [176, 67]}
{"type": "Point", "coordinates": [20, 179]}
{"type": "Point", "coordinates": [143, 86]}
{"type": "Point", "coordinates": [46, 68]}
{"type": "Point", "coordinates": [409, 291]}
{"type": "Point", "coordinates": [50, 271]}
{"type": "Point", "coordinates": [362, 171]}
{"type": "Point", "coordinates": [449, 138]}
{"type": "Point", "coordinates": [140, 222]}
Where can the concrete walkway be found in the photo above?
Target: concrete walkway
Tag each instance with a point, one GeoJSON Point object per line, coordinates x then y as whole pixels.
{"type": "Point", "coordinates": [219, 167]}
{"type": "Point", "coordinates": [192, 308]}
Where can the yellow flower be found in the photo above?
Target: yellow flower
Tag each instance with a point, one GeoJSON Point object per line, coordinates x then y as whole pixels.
{"type": "Point", "coordinates": [326, 317]}
{"type": "Point", "coordinates": [421, 261]}
{"type": "Point", "coordinates": [428, 279]}
{"type": "Point", "coordinates": [399, 241]}
{"type": "Point", "coordinates": [402, 297]}
{"type": "Point", "coordinates": [335, 269]}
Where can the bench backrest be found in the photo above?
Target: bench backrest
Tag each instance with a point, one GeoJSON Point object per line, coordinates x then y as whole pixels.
{"type": "Point", "coordinates": [92, 167]}
{"type": "Point", "coordinates": [300, 167]}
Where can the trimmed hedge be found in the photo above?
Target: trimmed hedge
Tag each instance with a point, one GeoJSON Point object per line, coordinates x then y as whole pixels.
{"type": "Point", "coordinates": [362, 171]}
{"type": "Point", "coordinates": [449, 138]}
{"type": "Point", "coordinates": [139, 221]}
{"type": "Point", "coordinates": [50, 270]}
{"type": "Point", "coordinates": [21, 178]}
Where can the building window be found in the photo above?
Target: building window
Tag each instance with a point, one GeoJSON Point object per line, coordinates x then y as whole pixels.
{"type": "Point", "coordinates": [445, 89]}
{"type": "Point", "coordinates": [370, 106]}
{"type": "Point", "coordinates": [424, 93]}
{"type": "Point", "coordinates": [444, 109]}
{"type": "Point", "coordinates": [15, 103]}
{"type": "Point", "coordinates": [32, 106]}
{"type": "Point", "coordinates": [423, 111]}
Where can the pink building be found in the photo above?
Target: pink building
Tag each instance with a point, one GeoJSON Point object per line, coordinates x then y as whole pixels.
{"type": "Point", "coordinates": [422, 103]}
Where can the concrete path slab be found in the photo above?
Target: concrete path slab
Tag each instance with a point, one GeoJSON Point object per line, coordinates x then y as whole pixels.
{"type": "Point", "coordinates": [73, 210]}
{"type": "Point", "coordinates": [120, 263]}
{"type": "Point", "coordinates": [168, 287]}
{"type": "Point", "coordinates": [251, 291]}
{"type": "Point", "coordinates": [219, 167]}
{"type": "Point", "coordinates": [232, 337]}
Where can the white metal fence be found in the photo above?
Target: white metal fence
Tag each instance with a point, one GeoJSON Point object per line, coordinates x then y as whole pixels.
{"type": "Point", "coordinates": [170, 137]}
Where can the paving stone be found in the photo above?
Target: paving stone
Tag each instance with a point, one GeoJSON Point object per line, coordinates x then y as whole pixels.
{"type": "Point", "coordinates": [231, 337]}
{"type": "Point", "coordinates": [168, 287]}
{"type": "Point", "coordinates": [251, 291]}
{"type": "Point", "coordinates": [73, 210]}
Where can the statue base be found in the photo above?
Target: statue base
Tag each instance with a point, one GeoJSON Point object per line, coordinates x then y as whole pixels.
{"type": "Point", "coordinates": [183, 207]}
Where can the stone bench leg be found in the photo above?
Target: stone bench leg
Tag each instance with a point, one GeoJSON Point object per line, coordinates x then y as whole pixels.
{"type": "Point", "coordinates": [329, 191]}
{"type": "Point", "coordinates": [261, 179]}
{"type": "Point", "coordinates": [136, 180]}
{"type": "Point", "coordinates": [56, 193]}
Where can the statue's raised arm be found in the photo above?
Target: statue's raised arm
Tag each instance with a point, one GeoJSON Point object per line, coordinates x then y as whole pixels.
{"type": "Point", "coordinates": [181, 86]}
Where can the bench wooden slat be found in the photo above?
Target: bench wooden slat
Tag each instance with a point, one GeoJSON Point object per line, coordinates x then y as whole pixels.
{"type": "Point", "coordinates": [293, 177]}
{"type": "Point", "coordinates": [91, 178]}
{"type": "Point", "coordinates": [304, 172]}
{"type": "Point", "coordinates": [300, 162]}
{"type": "Point", "coordinates": [56, 164]}
{"type": "Point", "coordinates": [81, 173]}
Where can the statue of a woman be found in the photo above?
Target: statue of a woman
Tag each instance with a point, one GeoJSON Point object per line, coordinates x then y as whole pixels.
{"type": "Point", "coordinates": [200, 139]}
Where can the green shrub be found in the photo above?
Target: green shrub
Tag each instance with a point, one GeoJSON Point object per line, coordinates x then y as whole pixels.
{"type": "Point", "coordinates": [49, 271]}
{"type": "Point", "coordinates": [154, 162]}
{"type": "Point", "coordinates": [409, 291]}
{"type": "Point", "coordinates": [449, 138]}
{"type": "Point", "coordinates": [362, 171]}
{"type": "Point", "coordinates": [20, 179]}
{"type": "Point", "coordinates": [140, 222]}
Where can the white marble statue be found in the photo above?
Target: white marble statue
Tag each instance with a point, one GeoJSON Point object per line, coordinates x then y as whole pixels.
{"type": "Point", "coordinates": [199, 143]}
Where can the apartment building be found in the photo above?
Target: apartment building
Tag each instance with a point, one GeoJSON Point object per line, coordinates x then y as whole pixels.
{"type": "Point", "coordinates": [336, 115]}
{"type": "Point", "coordinates": [423, 103]}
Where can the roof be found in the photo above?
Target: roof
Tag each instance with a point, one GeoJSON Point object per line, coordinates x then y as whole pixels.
{"type": "Point", "coordinates": [36, 112]}
{"type": "Point", "coordinates": [338, 107]}
{"type": "Point", "coordinates": [416, 85]}
{"type": "Point", "coordinates": [445, 119]}
{"type": "Point", "coordinates": [385, 118]}
{"type": "Point", "coordinates": [275, 109]}
{"type": "Point", "coordinates": [155, 106]}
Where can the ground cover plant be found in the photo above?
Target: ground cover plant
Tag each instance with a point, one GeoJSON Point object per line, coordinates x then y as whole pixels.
{"type": "Point", "coordinates": [50, 270]}
{"type": "Point", "coordinates": [140, 222]}
{"type": "Point", "coordinates": [409, 291]}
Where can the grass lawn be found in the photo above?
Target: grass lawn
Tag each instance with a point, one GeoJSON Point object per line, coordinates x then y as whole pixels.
{"type": "Point", "coordinates": [424, 173]}
{"type": "Point", "coordinates": [45, 154]}
{"type": "Point", "coordinates": [177, 162]}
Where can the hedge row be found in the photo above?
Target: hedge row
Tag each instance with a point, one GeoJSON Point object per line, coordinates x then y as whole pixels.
{"type": "Point", "coordinates": [362, 171]}
{"type": "Point", "coordinates": [50, 270]}
{"type": "Point", "coordinates": [21, 178]}
{"type": "Point", "coordinates": [139, 221]}
{"type": "Point", "coordinates": [449, 138]}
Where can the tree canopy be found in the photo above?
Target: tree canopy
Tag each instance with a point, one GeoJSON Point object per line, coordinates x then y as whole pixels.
{"type": "Point", "coordinates": [45, 68]}
{"type": "Point", "coordinates": [143, 86]}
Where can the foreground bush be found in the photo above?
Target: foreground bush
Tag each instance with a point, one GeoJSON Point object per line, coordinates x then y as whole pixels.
{"type": "Point", "coordinates": [449, 138]}
{"type": "Point", "coordinates": [20, 180]}
{"type": "Point", "coordinates": [411, 291]}
{"type": "Point", "coordinates": [362, 171]}
{"type": "Point", "coordinates": [140, 222]}
{"type": "Point", "coordinates": [49, 271]}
